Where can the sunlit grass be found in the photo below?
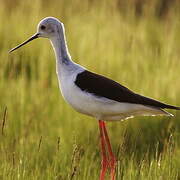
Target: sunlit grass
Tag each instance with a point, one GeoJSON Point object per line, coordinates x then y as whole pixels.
{"type": "Point", "coordinates": [44, 138]}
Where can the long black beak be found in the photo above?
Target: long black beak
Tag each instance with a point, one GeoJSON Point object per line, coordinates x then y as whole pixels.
{"type": "Point", "coordinates": [22, 44]}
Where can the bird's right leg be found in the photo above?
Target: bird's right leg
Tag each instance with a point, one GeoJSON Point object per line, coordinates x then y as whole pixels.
{"type": "Point", "coordinates": [112, 157]}
{"type": "Point", "coordinates": [104, 158]}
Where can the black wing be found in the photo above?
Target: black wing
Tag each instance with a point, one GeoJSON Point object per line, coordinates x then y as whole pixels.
{"type": "Point", "coordinates": [104, 87]}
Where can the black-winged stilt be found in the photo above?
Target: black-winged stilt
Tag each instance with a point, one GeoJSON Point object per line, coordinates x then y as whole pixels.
{"type": "Point", "coordinates": [93, 94]}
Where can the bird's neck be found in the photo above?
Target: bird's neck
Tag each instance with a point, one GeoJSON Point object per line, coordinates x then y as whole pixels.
{"type": "Point", "coordinates": [63, 58]}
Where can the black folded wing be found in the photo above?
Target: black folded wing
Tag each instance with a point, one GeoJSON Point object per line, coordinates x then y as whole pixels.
{"type": "Point", "coordinates": [104, 87]}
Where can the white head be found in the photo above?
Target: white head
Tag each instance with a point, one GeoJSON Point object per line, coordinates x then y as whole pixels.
{"type": "Point", "coordinates": [48, 27]}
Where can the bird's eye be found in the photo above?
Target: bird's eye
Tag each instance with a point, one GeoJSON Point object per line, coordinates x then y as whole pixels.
{"type": "Point", "coordinates": [43, 27]}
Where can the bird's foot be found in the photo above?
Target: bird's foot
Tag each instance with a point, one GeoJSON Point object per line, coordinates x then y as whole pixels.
{"type": "Point", "coordinates": [112, 165]}
{"type": "Point", "coordinates": [103, 169]}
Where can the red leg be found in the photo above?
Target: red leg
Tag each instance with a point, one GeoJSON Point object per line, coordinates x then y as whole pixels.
{"type": "Point", "coordinates": [104, 159]}
{"type": "Point", "coordinates": [112, 157]}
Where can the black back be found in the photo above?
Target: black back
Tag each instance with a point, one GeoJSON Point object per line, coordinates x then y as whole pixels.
{"type": "Point", "coordinates": [104, 87]}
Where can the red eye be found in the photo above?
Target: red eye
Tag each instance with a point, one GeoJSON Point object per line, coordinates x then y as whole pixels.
{"type": "Point", "coordinates": [43, 27]}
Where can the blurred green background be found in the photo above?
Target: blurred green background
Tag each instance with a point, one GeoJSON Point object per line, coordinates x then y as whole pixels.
{"type": "Point", "coordinates": [135, 42]}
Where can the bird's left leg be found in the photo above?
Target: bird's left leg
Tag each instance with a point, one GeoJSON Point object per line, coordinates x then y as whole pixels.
{"type": "Point", "coordinates": [104, 158]}
{"type": "Point", "coordinates": [112, 157]}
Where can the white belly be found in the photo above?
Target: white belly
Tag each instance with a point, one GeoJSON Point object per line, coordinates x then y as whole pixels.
{"type": "Point", "coordinates": [100, 108]}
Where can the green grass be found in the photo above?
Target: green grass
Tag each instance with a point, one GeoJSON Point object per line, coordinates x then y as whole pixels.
{"type": "Point", "coordinates": [42, 137]}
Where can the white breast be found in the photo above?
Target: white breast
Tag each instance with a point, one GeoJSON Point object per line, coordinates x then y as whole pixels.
{"type": "Point", "coordinates": [78, 99]}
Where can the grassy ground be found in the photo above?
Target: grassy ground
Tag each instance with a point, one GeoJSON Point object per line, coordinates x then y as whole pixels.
{"type": "Point", "coordinates": [41, 136]}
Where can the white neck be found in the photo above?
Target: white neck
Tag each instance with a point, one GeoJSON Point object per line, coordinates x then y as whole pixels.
{"type": "Point", "coordinates": [63, 58]}
{"type": "Point", "coordinates": [60, 48]}
{"type": "Point", "coordinates": [64, 64]}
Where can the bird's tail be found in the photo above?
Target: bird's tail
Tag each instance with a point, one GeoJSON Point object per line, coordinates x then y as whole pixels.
{"type": "Point", "coordinates": [167, 106]}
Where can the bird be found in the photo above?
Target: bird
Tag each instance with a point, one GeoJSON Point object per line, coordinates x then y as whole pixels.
{"type": "Point", "coordinates": [93, 94]}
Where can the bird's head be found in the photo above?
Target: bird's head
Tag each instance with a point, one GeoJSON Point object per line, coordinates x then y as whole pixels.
{"type": "Point", "coordinates": [48, 27]}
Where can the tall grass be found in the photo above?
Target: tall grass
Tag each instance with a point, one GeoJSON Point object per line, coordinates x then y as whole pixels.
{"type": "Point", "coordinates": [135, 44]}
